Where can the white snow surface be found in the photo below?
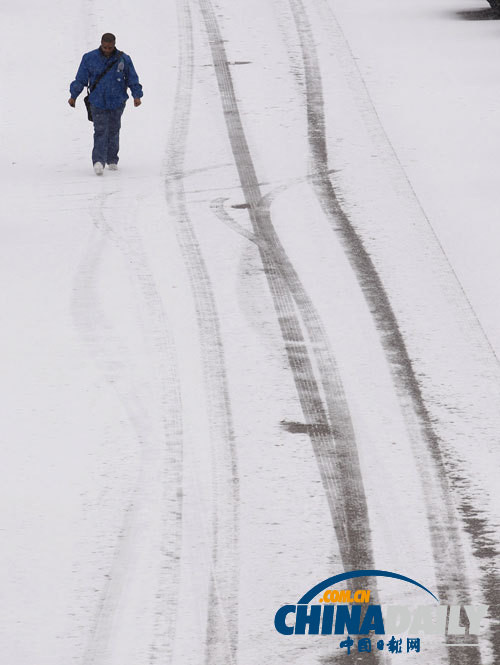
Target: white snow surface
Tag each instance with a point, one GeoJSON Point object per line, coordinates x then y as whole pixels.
{"type": "Point", "coordinates": [148, 473]}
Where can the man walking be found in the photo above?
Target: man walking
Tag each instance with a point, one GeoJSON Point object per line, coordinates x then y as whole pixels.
{"type": "Point", "coordinates": [108, 73]}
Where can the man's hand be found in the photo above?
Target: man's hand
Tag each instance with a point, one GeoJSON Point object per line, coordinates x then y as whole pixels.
{"type": "Point", "coordinates": [137, 101]}
{"type": "Point", "coordinates": [72, 102]}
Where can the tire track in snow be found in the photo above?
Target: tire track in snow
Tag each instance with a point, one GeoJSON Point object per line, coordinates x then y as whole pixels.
{"type": "Point", "coordinates": [110, 354]}
{"type": "Point", "coordinates": [329, 425]}
{"type": "Point", "coordinates": [399, 178]}
{"type": "Point", "coordinates": [446, 537]}
{"type": "Point", "coordinates": [485, 547]}
{"type": "Point", "coordinates": [222, 627]}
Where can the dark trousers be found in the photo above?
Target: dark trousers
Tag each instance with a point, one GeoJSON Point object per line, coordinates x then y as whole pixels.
{"type": "Point", "coordinates": [107, 125]}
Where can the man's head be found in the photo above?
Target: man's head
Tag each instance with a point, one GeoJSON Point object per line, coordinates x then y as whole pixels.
{"type": "Point", "coordinates": [108, 43]}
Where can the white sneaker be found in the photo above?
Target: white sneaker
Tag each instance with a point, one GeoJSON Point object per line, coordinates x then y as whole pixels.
{"type": "Point", "coordinates": [113, 167]}
{"type": "Point", "coordinates": [98, 168]}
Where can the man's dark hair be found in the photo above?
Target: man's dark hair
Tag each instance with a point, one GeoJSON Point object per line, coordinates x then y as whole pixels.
{"type": "Point", "coordinates": [108, 37]}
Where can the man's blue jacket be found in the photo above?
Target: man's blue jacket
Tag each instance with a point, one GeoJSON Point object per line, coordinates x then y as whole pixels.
{"type": "Point", "coordinates": [111, 91]}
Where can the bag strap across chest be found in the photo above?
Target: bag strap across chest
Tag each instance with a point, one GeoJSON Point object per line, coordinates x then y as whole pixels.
{"type": "Point", "coordinates": [106, 69]}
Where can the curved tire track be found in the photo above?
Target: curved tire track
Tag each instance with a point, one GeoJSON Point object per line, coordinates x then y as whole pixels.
{"type": "Point", "coordinates": [222, 628]}
{"type": "Point", "coordinates": [323, 404]}
{"type": "Point", "coordinates": [469, 492]}
{"type": "Point", "coordinates": [445, 529]}
{"type": "Point", "coordinates": [106, 348]}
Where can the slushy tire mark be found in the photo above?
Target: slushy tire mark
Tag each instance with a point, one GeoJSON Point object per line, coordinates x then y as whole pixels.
{"type": "Point", "coordinates": [300, 326]}
{"type": "Point", "coordinates": [441, 515]}
{"type": "Point", "coordinates": [222, 628]}
{"type": "Point", "coordinates": [96, 331]}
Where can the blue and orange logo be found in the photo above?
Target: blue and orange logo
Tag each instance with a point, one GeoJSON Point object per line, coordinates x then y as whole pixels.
{"type": "Point", "coordinates": [340, 611]}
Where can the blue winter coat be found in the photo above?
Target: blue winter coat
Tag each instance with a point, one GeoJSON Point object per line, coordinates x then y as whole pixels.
{"type": "Point", "coordinates": [111, 91]}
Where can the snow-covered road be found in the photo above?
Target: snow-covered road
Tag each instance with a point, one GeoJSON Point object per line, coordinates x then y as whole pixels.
{"type": "Point", "coordinates": [265, 350]}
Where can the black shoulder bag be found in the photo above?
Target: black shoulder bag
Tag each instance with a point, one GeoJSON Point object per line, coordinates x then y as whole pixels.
{"type": "Point", "coordinates": [93, 86]}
